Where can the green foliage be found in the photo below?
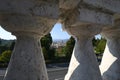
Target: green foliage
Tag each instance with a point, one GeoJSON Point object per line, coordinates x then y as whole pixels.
{"type": "Point", "coordinates": [68, 49]}
{"type": "Point", "coordinates": [12, 45]}
{"type": "Point", "coordinates": [49, 52]}
{"type": "Point", "coordinates": [60, 51]}
{"type": "Point", "coordinates": [5, 56]}
{"type": "Point", "coordinates": [52, 53]}
{"type": "Point", "coordinates": [45, 53]}
{"type": "Point", "coordinates": [3, 48]}
{"type": "Point", "coordinates": [46, 41]}
{"type": "Point", "coordinates": [95, 42]}
{"type": "Point", "coordinates": [0, 41]}
{"type": "Point", "coordinates": [6, 45]}
{"type": "Point", "coordinates": [99, 49]}
{"type": "Point", "coordinates": [99, 45]}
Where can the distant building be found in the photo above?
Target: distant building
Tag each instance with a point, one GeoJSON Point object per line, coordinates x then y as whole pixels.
{"type": "Point", "coordinates": [59, 43]}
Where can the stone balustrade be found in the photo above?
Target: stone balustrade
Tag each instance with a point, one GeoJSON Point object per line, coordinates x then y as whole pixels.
{"type": "Point", "coordinates": [111, 59]}
{"type": "Point", "coordinates": [29, 20]}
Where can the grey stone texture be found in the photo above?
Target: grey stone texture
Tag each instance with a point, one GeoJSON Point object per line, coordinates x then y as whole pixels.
{"type": "Point", "coordinates": [110, 64]}
{"type": "Point", "coordinates": [29, 20]}
{"type": "Point", "coordinates": [27, 61]}
{"type": "Point", "coordinates": [83, 65]}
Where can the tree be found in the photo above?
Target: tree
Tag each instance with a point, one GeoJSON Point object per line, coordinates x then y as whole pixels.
{"type": "Point", "coordinates": [5, 56]}
{"type": "Point", "coordinates": [3, 48]}
{"type": "Point", "coordinates": [0, 41]}
{"type": "Point", "coordinates": [0, 46]}
{"type": "Point", "coordinates": [12, 45]}
{"type": "Point", "coordinates": [52, 52]}
{"type": "Point", "coordinates": [95, 42]}
{"type": "Point", "coordinates": [6, 45]}
{"type": "Point", "coordinates": [69, 47]}
{"type": "Point", "coordinates": [45, 53]}
{"type": "Point", "coordinates": [100, 46]}
{"type": "Point", "coordinates": [46, 41]}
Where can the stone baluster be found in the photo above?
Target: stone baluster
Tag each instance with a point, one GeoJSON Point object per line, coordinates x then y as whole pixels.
{"type": "Point", "coordinates": [83, 65]}
{"type": "Point", "coordinates": [110, 65]}
{"type": "Point", "coordinates": [28, 20]}
{"type": "Point", "coordinates": [27, 61]}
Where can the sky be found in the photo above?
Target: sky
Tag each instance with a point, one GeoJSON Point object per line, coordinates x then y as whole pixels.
{"type": "Point", "coordinates": [56, 33]}
{"type": "Point", "coordinates": [5, 34]}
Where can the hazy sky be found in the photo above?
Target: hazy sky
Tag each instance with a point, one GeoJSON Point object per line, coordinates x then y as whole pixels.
{"type": "Point", "coordinates": [6, 35]}
{"type": "Point", "coordinates": [56, 33]}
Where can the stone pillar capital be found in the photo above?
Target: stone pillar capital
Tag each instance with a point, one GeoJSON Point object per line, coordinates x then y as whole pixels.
{"type": "Point", "coordinates": [21, 34]}
{"type": "Point", "coordinates": [111, 32]}
{"type": "Point", "coordinates": [29, 15]}
{"type": "Point", "coordinates": [84, 30]}
{"type": "Point", "coordinates": [27, 24]}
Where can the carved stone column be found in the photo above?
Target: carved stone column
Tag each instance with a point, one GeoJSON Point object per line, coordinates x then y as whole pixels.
{"type": "Point", "coordinates": [28, 20]}
{"type": "Point", "coordinates": [27, 61]}
{"type": "Point", "coordinates": [110, 65]}
{"type": "Point", "coordinates": [83, 65]}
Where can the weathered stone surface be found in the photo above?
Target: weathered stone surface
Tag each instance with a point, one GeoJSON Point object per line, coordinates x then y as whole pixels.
{"type": "Point", "coordinates": [110, 64]}
{"type": "Point", "coordinates": [108, 5]}
{"type": "Point", "coordinates": [91, 11]}
{"type": "Point", "coordinates": [28, 20]}
{"type": "Point", "coordinates": [86, 16]}
{"type": "Point", "coordinates": [83, 29]}
{"type": "Point", "coordinates": [28, 15]}
{"type": "Point", "coordinates": [83, 65]}
{"type": "Point", "coordinates": [27, 61]}
{"type": "Point", "coordinates": [44, 8]}
{"type": "Point", "coordinates": [77, 15]}
{"type": "Point", "coordinates": [92, 16]}
{"type": "Point", "coordinates": [69, 4]}
{"type": "Point", "coordinates": [77, 21]}
{"type": "Point", "coordinates": [38, 25]}
{"type": "Point", "coordinates": [31, 19]}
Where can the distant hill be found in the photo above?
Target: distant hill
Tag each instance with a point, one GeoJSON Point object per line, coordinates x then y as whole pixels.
{"type": "Point", "coordinates": [6, 42]}
{"type": "Point", "coordinates": [6, 45]}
